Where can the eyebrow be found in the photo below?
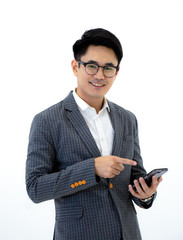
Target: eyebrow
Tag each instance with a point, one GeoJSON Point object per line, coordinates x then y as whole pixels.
{"type": "Point", "coordinates": [106, 64]}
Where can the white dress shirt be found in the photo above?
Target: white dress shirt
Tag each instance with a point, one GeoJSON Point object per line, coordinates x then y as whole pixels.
{"type": "Point", "coordinates": [99, 124]}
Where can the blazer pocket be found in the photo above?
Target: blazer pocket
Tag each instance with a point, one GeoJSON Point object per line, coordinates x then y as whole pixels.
{"type": "Point", "coordinates": [69, 213]}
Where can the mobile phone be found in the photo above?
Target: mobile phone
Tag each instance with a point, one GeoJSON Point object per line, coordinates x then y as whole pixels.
{"type": "Point", "coordinates": [148, 178]}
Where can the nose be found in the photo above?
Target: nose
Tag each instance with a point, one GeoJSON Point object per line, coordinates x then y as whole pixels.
{"type": "Point", "coordinates": [99, 74]}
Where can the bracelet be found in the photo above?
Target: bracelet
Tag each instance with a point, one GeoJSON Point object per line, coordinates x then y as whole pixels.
{"type": "Point", "coordinates": [146, 199]}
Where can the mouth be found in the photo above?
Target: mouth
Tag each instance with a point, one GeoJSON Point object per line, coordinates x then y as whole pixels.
{"type": "Point", "coordinates": [97, 84]}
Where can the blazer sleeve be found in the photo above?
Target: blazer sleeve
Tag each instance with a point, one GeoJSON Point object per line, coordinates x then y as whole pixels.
{"type": "Point", "coordinates": [42, 181]}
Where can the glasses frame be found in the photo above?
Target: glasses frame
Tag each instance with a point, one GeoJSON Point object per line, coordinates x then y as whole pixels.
{"type": "Point", "coordinates": [86, 63]}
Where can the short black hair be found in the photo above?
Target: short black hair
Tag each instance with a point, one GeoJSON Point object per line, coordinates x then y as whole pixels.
{"type": "Point", "coordinates": [97, 37]}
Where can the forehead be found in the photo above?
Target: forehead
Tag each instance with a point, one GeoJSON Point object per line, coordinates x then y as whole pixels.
{"type": "Point", "coordinates": [100, 54]}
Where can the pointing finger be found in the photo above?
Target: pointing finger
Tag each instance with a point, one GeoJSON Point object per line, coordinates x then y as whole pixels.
{"type": "Point", "coordinates": [127, 161]}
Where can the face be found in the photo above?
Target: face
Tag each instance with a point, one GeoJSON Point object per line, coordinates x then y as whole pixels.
{"type": "Point", "coordinates": [94, 87]}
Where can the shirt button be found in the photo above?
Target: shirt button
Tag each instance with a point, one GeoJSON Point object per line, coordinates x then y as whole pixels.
{"type": "Point", "coordinates": [111, 185]}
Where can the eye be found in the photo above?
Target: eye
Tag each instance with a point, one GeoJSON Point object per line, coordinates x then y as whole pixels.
{"type": "Point", "coordinates": [92, 66]}
{"type": "Point", "coordinates": [108, 68]}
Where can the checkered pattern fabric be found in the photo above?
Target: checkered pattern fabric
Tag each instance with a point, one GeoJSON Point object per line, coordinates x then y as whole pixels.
{"type": "Point", "coordinates": [60, 166]}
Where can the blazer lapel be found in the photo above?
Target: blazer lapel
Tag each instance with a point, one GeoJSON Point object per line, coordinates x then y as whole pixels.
{"type": "Point", "coordinates": [118, 125]}
{"type": "Point", "coordinates": [80, 125]}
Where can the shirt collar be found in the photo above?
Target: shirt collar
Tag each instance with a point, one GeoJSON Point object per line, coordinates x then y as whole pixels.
{"type": "Point", "coordinates": [83, 105]}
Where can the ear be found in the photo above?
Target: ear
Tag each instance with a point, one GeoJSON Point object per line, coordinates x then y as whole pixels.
{"type": "Point", "coordinates": [74, 65]}
{"type": "Point", "coordinates": [117, 73]}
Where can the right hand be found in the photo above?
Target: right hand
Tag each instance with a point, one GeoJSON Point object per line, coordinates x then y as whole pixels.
{"type": "Point", "coordinates": [110, 166]}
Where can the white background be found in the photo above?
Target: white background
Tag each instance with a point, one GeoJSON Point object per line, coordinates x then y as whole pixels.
{"type": "Point", "coordinates": [36, 39]}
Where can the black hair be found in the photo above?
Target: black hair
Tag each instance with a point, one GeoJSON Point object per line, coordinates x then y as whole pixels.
{"type": "Point", "coordinates": [97, 37]}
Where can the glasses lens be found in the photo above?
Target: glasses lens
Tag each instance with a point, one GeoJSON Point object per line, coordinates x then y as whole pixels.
{"type": "Point", "coordinates": [109, 71]}
{"type": "Point", "coordinates": [91, 68]}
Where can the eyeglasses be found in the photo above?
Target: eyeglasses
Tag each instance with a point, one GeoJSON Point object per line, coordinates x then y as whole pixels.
{"type": "Point", "coordinates": [92, 69]}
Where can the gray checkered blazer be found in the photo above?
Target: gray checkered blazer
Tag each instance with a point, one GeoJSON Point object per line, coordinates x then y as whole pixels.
{"type": "Point", "coordinates": [60, 166]}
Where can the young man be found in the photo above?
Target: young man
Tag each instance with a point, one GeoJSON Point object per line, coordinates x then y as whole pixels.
{"type": "Point", "coordinates": [84, 152]}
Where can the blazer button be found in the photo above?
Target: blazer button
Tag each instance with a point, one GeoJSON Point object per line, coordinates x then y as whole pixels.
{"type": "Point", "coordinates": [72, 186]}
{"type": "Point", "coordinates": [83, 182]}
{"type": "Point", "coordinates": [76, 184]}
{"type": "Point", "coordinates": [80, 183]}
{"type": "Point", "coordinates": [111, 185]}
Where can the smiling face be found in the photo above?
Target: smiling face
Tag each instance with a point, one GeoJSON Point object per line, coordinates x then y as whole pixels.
{"type": "Point", "coordinates": [92, 88]}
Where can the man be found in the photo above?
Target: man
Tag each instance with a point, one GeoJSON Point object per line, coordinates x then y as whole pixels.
{"type": "Point", "coordinates": [84, 152]}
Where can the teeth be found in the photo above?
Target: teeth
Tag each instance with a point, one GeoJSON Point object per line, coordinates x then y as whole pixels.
{"type": "Point", "coordinates": [97, 84]}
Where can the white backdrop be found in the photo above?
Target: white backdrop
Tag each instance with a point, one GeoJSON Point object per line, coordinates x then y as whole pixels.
{"type": "Point", "coordinates": [35, 54]}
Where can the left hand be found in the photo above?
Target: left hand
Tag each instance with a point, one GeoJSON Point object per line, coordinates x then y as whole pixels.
{"type": "Point", "coordinates": [145, 191]}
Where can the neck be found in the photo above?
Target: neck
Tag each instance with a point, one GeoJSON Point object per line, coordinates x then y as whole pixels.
{"type": "Point", "coordinates": [96, 103]}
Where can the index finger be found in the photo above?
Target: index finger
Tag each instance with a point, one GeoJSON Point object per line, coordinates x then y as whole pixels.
{"type": "Point", "coordinates": [126, 161]}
